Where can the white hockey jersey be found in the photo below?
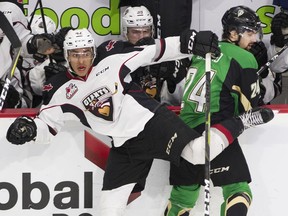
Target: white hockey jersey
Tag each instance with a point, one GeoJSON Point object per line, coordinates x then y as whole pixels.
{"type": "Point", "coordinates": [19, 22]}
{"type": "Point", "coordinates": [280, 64]}
{"type": "Point", "coordinates": [106, 101]}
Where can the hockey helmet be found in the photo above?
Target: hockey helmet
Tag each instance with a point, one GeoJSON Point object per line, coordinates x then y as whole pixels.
{"type": "Point", "coordinates": [78, 38]}
{"type": "Point", "coordinates": [241, 19]}
{"type": "Point", "coordinates": [37, 26]}
{"type": "Point", "coordinates": [137, 17]}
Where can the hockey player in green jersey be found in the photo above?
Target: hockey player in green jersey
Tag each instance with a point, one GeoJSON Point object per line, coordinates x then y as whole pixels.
{"type": "Point", "coordinates": [234, 88]}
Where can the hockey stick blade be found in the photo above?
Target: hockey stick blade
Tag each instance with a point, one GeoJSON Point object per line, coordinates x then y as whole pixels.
{"type": "Point", "coordinates": [9, 31]}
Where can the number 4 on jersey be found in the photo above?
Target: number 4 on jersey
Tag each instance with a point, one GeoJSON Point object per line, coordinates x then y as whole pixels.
{"type": "Point", "coordinates": [198, 91]}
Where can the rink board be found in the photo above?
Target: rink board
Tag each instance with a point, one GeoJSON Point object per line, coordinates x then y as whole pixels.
{"type": "Point", "coordinates": [65, 177]}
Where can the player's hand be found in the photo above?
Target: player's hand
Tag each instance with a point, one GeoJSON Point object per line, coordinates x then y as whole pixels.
{"type": "Point", "coordinates": [145, 41]}
{"type": "Point", "coordinates": [53, 69]}
{"type": "Point", "coordinates": [277, 37]}
{"type": "Point", "coordinates": [13, 98]}
{"type": "Point", "coordinates": [22, 130]}
{"type": "Point", "coordinates": [199, 43]}
{"type": "Point", "coordinates": [42, 43]}
{"type": "Point", "coordinates": [60, 36]}
{"type": "Point", "coordinates": [259, 50]}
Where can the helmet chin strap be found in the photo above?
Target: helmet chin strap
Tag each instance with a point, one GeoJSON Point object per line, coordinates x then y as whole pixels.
{"type": "Point", "coordinates": [239, 38]}
{"type": "Point", "coordinates": [72, 70]}
{"type": "Point", "coordinates": [237, 41]}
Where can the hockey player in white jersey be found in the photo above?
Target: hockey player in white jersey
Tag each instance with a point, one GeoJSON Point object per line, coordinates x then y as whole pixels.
{"type": "Point", "coordinates": [279, 38]}
{"type": "Point", "coordinates": [103, 98]}
{"type": "Point", "coordinates": [33, 65]}
{"type": "Point", "coordinates": [19, 22]}
{"type": "Point", "coordinates": [31, 44]}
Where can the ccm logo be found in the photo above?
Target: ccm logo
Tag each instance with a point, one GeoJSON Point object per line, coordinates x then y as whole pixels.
{"type": "Point", "coordinates": [191, 41]}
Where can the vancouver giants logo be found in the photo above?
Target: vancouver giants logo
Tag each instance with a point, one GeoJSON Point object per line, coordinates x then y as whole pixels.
{"type": "Point", "coordinates": [71, 90]}
{"type": "Point", "coordinates": [99, 102]}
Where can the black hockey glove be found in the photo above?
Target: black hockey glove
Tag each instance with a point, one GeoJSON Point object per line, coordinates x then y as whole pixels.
{"type": "Point", "coordinates": [145, 41]}
{"type": "Point", "coordinates": [259, 51]}
{"type": "Point", "coordinates": [13, 99]}
{"type": "Point", "coordinates": [60, 36]}
{"type": "Point", "coordinates": [39, 57]}
{"type": "Point", "coordinates": [176, 72]}
{"type": "Point", "coordinates": [199, 43]}
{"type": "Point", "coordinates": [53, 69]}
{"type": "Point", "coordinates": [40, 43]}
{"type": "Point", "coordinates": [279, 21]}
{"type": "Point", "coordinates": [22, 130]}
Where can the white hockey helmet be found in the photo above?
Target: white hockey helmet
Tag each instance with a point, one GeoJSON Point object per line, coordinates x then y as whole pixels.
{"type": "Point", "coordinates": [137, 17]}
{"type": "Point", "coordinates": [78, 38]}
{"type": "Point", "coordinates": [37, 26]}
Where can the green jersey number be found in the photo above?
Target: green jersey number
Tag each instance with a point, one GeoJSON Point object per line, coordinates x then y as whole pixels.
{"type": "Point", "coordinates": [197, 89]}
{"type": "Point", "coordinates": [255, 88]}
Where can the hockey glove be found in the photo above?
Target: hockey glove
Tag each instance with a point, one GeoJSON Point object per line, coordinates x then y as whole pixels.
{"type": "Point", "coordinates": [145, 41]}
{"type": "Point", "coordinates": [39, 57]}
{"type": "Point", "coordinates": [259, 51]}
{"type": "Point", "coordinates": [41, 43]}
{"type": "Point", "coordinates": [199, 43]}
{"type": "Point", "coordinates": [13, 99]}
{"type": "Point", "coordinates": [279, 21]}
{"type": "Point", "coordinates": [22, 130]}
{"type": "Point", "coordinates": [60, 36]}
{"type": "Point", "coordinates": [53, 69]}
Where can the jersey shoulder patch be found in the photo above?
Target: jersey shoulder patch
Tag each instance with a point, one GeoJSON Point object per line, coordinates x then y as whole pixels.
{"type": "Point", "coordinates": [113, 47]}
{"type": "Point", "coordinates": [52, 85]}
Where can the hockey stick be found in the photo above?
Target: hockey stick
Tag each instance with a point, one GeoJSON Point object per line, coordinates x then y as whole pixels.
{"type": "Point", "coordinates": [42, 15]}
{"type": "Point", "coordinates": [39, 2]}
{"type": "Point", "coordinates": [16, 44]}
{"type": "Point", "coordinates": [207, 136]}
{"type": "Point", "coordinates": [44, 23]}
{"type": "Point", "coordinates": [272, 59]}
{"type": "Point", "coordinates": [32, 16]}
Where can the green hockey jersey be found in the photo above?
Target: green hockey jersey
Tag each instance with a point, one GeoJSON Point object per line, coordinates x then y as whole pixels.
{"type": "Point", "coordinates": [234, 86]}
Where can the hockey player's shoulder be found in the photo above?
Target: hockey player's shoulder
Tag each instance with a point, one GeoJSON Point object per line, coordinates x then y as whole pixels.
{"type": "Point", "coordinates": [245, 58]}
{"type": "Point", "coordinates": [54, 83]}
{"type": "Point", "coordinates": [112, 47]}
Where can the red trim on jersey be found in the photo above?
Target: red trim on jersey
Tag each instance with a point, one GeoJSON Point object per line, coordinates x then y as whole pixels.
{"type": "Point", "coordinates": [175, 109]}
{"type": "Point", "coordinates": [19, 22]}
{"type": "Point", "coordinates": [73, 75]}
{"type": "Point", "coordinates": [224, 131]}
{"type": "Point", "coordinates": [162, 49]}
{"type": "Point", "coordinates": [121, 74]}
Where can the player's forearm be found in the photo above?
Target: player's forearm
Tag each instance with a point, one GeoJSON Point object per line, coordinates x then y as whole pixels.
{"type": "Point", "coordinates": [43, 133]}
{"type": "Point", "coordinates": [168, 49]}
